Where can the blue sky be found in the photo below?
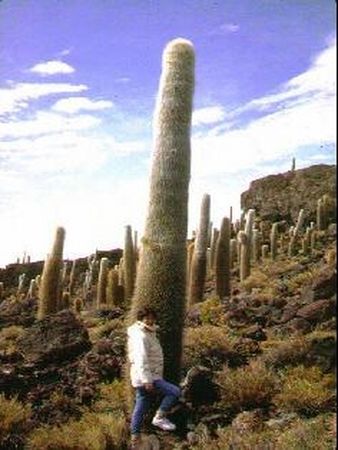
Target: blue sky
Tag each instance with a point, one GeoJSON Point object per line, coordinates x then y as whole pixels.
{"type": "Point", "coordinates": [78, 82]}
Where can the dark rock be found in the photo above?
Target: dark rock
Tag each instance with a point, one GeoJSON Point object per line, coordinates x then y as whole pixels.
{"type": "Point", "coordinates": [318, 311]}
{"type": "Point", "coordinates": [58, 337]}
{"type": "Point", "coordinates": [109, 314]}
{"type": "Point", "coordinates": [323, 352]}
{"type": "Point", "coordinates": [325, 284]}
{"type": "Point", "coordinates": [255, 332]}
{"type": "Point", "coordinates": [18, 312]}
{"type": "Point", "coordinates": [198, 387]}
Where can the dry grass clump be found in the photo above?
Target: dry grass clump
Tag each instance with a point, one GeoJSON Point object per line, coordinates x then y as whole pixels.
{"type": "Point", "coordinates": [112, 397]}
{"type": "Point", "coordinates": [288, 352]}
{"type": "Point", "coordinates": [208, 346]}
{"type": "Point", "coordinates": [309, 434]}
{"type": "Point", "coordinates": [259, 280]}
{"type": "Point", "coordinates": [301, 279]}
{"type": "Point", "coordinates": [9, 337]}
{"type": "Point", "coordinates": [212, 312]}
{"type": "Point", "coordinates": [306, 390]}
{"type": "Point", "coordinates": [92, 432]}
{"type": "Point", "coordinates": [312, 434]}
{"type": "Point", "coordinates": [13, 417]}
{"type": "Point", "coordinates": [250, 386]}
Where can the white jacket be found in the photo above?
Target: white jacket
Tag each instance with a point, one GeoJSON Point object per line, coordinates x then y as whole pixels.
{"type": "Point", "coordinates": [145, 354]}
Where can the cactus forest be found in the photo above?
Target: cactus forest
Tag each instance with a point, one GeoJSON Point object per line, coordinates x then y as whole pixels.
{"type": "Point", "coordinates": [245, 308]}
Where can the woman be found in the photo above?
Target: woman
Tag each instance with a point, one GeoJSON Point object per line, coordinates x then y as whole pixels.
{"type": "Point", "coordinates": [146, 373]}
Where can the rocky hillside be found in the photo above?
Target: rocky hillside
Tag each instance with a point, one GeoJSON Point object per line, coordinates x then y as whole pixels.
{"type": "Point", "coordinates": [281, 196]}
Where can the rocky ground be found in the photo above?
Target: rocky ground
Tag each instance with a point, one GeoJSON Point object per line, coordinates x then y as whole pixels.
{"type": "Point", "coordinates": [258, 368]}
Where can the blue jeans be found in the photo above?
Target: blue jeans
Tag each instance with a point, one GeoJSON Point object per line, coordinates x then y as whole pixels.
{"type": "Point", "coordinates": [171, 394]}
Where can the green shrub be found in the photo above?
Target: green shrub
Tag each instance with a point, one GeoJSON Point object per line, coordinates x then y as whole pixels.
{"type": "Point", "coordinates": [14, 417]}
{"type": "Point", "coordinates": [250, 386]}
{"type": "Point", "coordinates": [306, 390]}
{"type": "Point", "coordinates": [212, 312]}
{"type": "Point", "coordinates": [92, 432]}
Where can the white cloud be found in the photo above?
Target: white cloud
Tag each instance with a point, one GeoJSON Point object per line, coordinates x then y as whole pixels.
{"type": "Point", "coordinates": [74, 104]}
{"type": "Point", "coordinates": [308, 120]}
{"type": "Point", "coordinates": [46, 123]}
{"type": "Point", "coordinates": [208, 115]}
{"type": "Point", "coordinates": [52, 68]}
{"type": "Point", "coordinates": [17, 96]}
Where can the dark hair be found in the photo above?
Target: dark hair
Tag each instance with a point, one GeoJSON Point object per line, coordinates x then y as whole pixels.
{"type": "Point", "coordinates": [144, 312]}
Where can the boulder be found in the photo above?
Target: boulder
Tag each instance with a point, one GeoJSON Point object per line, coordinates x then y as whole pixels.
{"type": "Point", "coordinates": [56, 338]}
{"type": "Point", "coordinates": [318, 311]}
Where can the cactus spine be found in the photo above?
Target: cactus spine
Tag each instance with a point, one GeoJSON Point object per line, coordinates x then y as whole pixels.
{"type": "Point", "coordinates": [102, 283]}
{"type": "Point", "coordinates": [50, 283]}
{"type": "Point", "coordinates": [222, 266]}
{"type": "Point", "coordinates": [273, 240]}
{"type": "Point", "coordinates": [128, 264]}
{"type": "Point", "coordinates": [161, 276]}
{"type": "Point", "coordinates": [199, 257]}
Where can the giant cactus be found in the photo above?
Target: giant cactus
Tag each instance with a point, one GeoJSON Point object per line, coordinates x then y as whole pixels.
{"type": "Point", "coordinates": [222, 266]}
{"type": "Point", "coordinates": [296, 232]}
{"type": "Point", "coordinates": [199, 258]}
{"type": "Point", "coordinates": [50, 284]}
{"type": "Point", "coordinates": [161, 276]}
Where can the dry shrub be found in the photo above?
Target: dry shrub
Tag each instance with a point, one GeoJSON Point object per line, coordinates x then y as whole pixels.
{"type": "Point", "coordinates": [112, 397]}
{"type": "Point", "coordinates": [261, 284]}
{"type": "Point", "coordinates": [13, 417]}
{"type": "Point", "coordinates": [208, 346]}
{"type": "Point", "coordinates": [251, 386]}
{"type": "Point", "coordinates": [9, 337]}
{"type": "Point", "coordinates": [301, 279]}
{"type": "Point", "coordinates": [306, 390]}
{"type": "Point", "coordinates": [287, 352]}
{"type": "Point", "coordinates": [212, 312]}
{"type": "Point", "coordinates": [92, 432]}
{"type": "Point", "coordinates": [313, 434]}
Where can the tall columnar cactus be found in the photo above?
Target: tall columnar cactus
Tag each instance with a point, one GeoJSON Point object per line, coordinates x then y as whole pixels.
{"type": "Point", "coordinates": [233, 252]}
{"type": "Point", "coordinates": [112, 291]}
{"type": "Point", "coordinates": [128, 264]}
{"type": "Point", "coordinates": [190, 252]}
{"type": "Point", "coordinates": [306, 242]}
{"type": "Point", "coordinates": [293, 166]}
{"type": "Point", "coordinates": [32, 290]}
{"type": "Point", "coordinates": [21, 284]}
{"type": "Point", "coordinates": [296, 232]}
{"type": "Point", "coordinates": [209, 235]}
{"type": "Point", "coordinates": [71, 284]}
{"type": "Point", "coordinates": [102, 283]}
{"type": "Point", "coordinates": [199, 257]}
{"type": "Point", "coordinates": [135, 244]}
{"type": "Point", "coordinates": [273, 240]}
{"type": "Point", "coordinates": [244, 268]}
{"type": "Point", "coordinates": [2, 290]}
{"type": "Point", "coordinates": [121, 271]}
{"type": "Point", "coordinates": [320, 215]}
{"type": "Point", "coordinates": [222, 266]}
{"type": "Point", "coordinates": [265, 251]}
{"type": "Point", "coordinates": [246, 252]}
{"type": "Point", "coordinates": [214, 239]}
{"type": "Point", "coordinates": [256, 245]}
{"type": "Point", "coordinates": [161, 276]}
{"type": "Point", "coordinates": [50, 284]}
{"type": "Point", "coordinates": [64, 274]}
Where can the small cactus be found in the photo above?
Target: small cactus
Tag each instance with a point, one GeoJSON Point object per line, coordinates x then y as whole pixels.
{"type": "Point", "coordinates": [112, 293]}
{"type": "Point", "coordinates": [214, 238]}
{"type": "Point", "coordinates": [2, 290]}
{"type": "Point", "coordinates": [233, 252]}
{"type": "Point", "coordinates": [265, 251]}
{"type": "Point", "coordinates": [321, 219]}
{"type": "Point", "coordinates": [222, 265]}
{"type": "Point", "coordinates": [256, 245]}
{"type": "Point", "coordinates": [199, 257]}
{"type": "Point", "coordinates": [32, 290]}
{"type": "Point", "coordinates": [21, 284]}
{"type": "Point", "coordinates": [273, 240]}
{"type": "Point", "coordinates": [244, 268]}
{"type": "Point", "coordinates": [296, 232]}
{"type": "Point", "coordinates": [50, 285]}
